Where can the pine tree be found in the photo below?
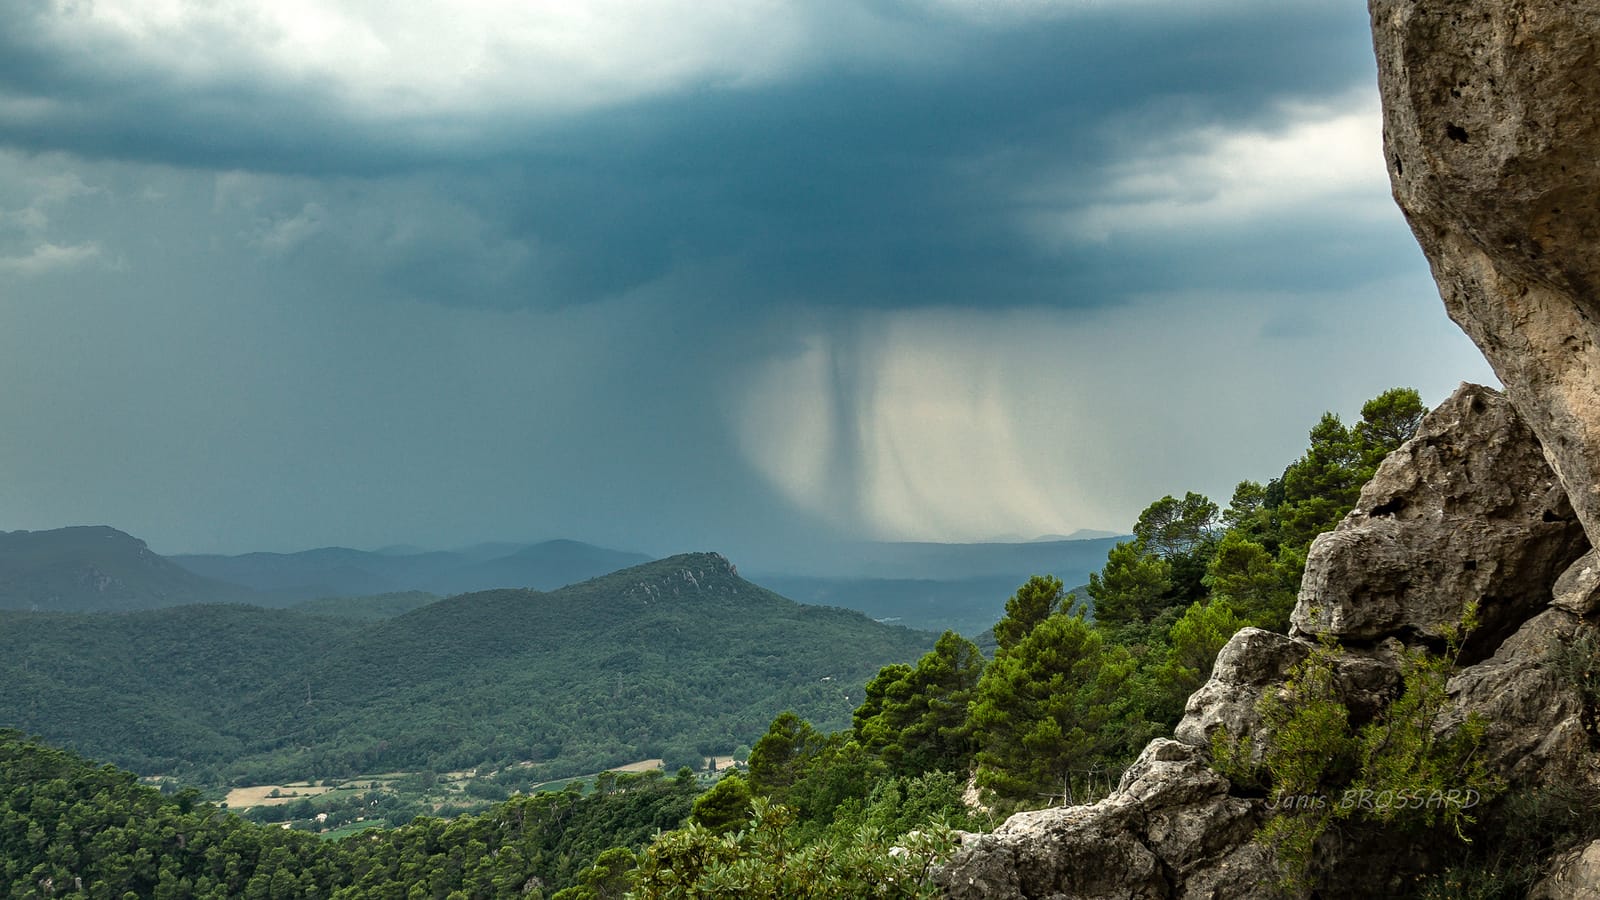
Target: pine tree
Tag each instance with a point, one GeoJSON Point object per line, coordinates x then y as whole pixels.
{"type": "Point", "coordinates": [1043, 710]}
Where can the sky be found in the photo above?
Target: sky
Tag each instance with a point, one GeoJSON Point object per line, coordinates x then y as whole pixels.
{"type": "Point", "coordinates": [673, 275]}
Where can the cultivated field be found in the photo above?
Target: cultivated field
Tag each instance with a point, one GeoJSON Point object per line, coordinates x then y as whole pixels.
{"type": "Point", "coordinates": [240, 799]}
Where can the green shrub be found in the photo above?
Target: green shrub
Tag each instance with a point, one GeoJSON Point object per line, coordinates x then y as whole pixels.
{"type": "Point", "coordinates": [1396, 771]}
{"type": "Point", "coordinates": [765, 861]}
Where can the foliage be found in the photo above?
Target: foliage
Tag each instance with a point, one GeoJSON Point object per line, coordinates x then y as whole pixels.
{"type": "Point", "coordinates": [1043, 711]}
{"type": "Point", "coordinates": [1172, 528]}
{"type": "Point", "coordinates": [369, 607]}
{"type": "Point", "coordinates": [1324, 484]}
{"type": "Point", "coordinates": [554, 839]}
{"type": "Point", "coordinates": [1250, 580]}
{"type": "Point", "coordinates": [70, 827]}
{"type": "Point", "coordinates": [765, 861]}
{"type": "Point", "coordinates": [899, 805]}
{"type": "Point", "coordinates": [779, 758]}
{"type": "Point", "coordinates": [915, 719]}
{"type": "Point", "coordinates": [834, 769]}
{"type": "Point", "coordinates": [1194, 642]}
{"type": "Point", "coordinates": [1531, 826]}
{"type": "Point", "coordinates": [1039, 599]}
{"type": "Point", "coordinates": [1397, 770]}
{"type": "Point", "coordinates": [67, 826]}
{"type": "Point", "coordinates": [1133, 587]}
{"type": "Point", "coordinates": [609, 878]}
{"type": "Point", "coordinates": [725, 807]}
{"type": "Point", "coordinates": [1528, 827]}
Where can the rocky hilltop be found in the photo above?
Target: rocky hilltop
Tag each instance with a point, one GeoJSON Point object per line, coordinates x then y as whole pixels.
{"type": "Point", "coordinates": [1484, 520]}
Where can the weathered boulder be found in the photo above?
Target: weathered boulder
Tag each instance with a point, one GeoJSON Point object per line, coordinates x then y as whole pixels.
{"type": "Point", "coordinates": [1530, 699]}
{"type": "Point", "coordinates": [1573, 876]}
{"type": "Point", "coordinates": [1253, 662]}
{"type": "Point", "coordinates": [1466, 511]}
{"type": "Point", "coordinates": [1169, 830]}
{"type": "Point", "coordinates": [1256, 662]}
{"type": "Point", "coordinates": [1490, 134]}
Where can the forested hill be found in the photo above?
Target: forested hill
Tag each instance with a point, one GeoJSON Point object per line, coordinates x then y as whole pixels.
{"type": "Point", "coordinates": [95, 568]}
{"type": "Point", "coordinates": [672, 658]}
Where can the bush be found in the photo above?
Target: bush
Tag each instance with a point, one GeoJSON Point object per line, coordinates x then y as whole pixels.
{"type": "Point", "coordinates": [1396, 771]}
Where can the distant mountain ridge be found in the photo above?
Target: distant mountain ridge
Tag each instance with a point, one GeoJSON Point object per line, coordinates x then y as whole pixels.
{"type": "Point", "coordinates": [677, 652]}
{"type": "Point", "coordinates": [924, 585]}
{"type": "Point", "coordinates": [342, 572]}
{"type": "Point", "coordinates": [96, 568]}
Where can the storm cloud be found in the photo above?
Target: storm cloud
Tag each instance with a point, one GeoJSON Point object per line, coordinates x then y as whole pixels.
{"type": "Point", "coordinates": [672, 275]}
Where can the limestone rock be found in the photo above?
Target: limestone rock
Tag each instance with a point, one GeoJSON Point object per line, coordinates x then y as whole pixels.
{"type": "Point", "coordinates": [1490, 134]}
{"type": "Point", "coordinates": [1256, 662]}
{"type": "Point", "coordinates": [1467, 510]}
{"type": "Point", "coordinates": [1578, 589]}
{"type": "Point", "coordinates": [1253, 662]}
{"type": "Point", "coordinates": [1528, 697]}
{"type": "Point", "coordinates": [1574, 876]}
{"type": "Point", "coordinates": [1169, 830]}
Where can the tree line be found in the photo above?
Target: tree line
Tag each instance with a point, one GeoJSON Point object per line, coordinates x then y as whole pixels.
{"type": "Point", "coordinates": [1074, 688]}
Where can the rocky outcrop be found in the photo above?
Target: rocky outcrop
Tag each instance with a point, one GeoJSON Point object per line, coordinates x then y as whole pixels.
{"type": "Point", "coordinates": [1253, 662]}
{"type": "Point", "coordinates": [1467, 511]}
{"type": "Point", "coordinates": [1492, 137]}
{"type": "Point", "coordinates": [1170, 827]}
{"type": "Point", "coordinates": [1529, 696]}
{"type": "Point", "coordinates": [1578, 589]}
{"type": "Point", "coordinates": [1490, 133]}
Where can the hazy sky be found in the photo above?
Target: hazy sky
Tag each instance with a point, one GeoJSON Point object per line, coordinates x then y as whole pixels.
{"type": "Point", "coordinates": [672, 274]}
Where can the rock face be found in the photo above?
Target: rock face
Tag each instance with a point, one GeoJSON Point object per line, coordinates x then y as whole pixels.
{"type": "Point", "coordinates": [1490, 134]}
{"type": "Point", "coordinates": [1253, 662]}
{"type": "Point", "coordinates": [1170, 826]}
{"type": "Point", "coordinates": [1537, 718]}
{"type": "Point", "coordinates": [1575, 876]}
{"type": "Point", "coordinates": [1466, 511]}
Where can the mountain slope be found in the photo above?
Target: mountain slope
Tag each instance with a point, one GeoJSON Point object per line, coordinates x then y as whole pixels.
{"type": "Point", "coordinates": [98, 569]}
{"type": "Point", "coordinates": [672, 654]}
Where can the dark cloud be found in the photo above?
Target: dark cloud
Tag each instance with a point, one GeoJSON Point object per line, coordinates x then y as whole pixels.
{"type": "Point", "coordinates": [851, 184]}
{"type": "Point", "coordinates": [886, 290]}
